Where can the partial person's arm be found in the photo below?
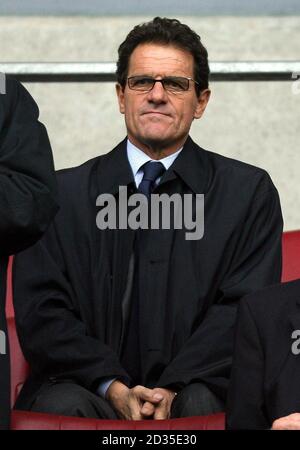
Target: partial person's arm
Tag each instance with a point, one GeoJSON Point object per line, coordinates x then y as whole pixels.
{"type": "Point", "coordinates": [246, 395]}
{"type": "Point", "coordinates": [27, 179]}
{"type": "Point", "coordinates": [245, 408]}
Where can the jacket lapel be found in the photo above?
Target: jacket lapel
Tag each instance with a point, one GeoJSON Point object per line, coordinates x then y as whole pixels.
{"type": "Point", "coordinates": [192, 167]}
{"type": "Point", "coordinates": [114, 171]}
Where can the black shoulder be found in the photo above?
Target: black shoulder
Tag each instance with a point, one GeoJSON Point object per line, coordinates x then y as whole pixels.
{"type": "Point", "coordinates": [272, 300]}
{"type": "Point", "coordinates": [240, 167]}
{"type": "Point", "coordinates": [249, 178]}
{"type": "Point", "coordinates": [16, 103]}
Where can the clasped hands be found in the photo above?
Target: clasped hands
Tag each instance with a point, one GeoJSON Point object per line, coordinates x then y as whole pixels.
{"type": "Point", "coordinates": [139, 402]}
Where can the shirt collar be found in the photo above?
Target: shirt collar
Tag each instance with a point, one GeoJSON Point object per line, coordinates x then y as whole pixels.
{"type": "Point", "coordinates": [137, 158]}
{"type": "Point", "coordinates": [194, 165]}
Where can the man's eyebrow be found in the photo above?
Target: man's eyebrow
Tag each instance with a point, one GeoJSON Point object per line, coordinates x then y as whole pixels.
{"type": "Point", "coordinates": [142, 75]}
{"type": "Point", "coordinates": [152, 76]}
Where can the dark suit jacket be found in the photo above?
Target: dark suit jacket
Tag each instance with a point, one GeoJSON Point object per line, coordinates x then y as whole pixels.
{"type": "Point", "coordinates": [266, 372]}
{"type": "Point", "coordinates": [27, 195]}
{"type": "Point", "coordinates": [70, 300]}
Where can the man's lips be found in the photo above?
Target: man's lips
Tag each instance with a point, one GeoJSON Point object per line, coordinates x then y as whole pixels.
{"type": "Point", "coordinates": [155, 112]}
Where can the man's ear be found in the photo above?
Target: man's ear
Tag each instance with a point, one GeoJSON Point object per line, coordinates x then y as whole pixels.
{"type": "Point", "coordinates": [202, 102]}
{"type": "Point", "coordinates": [121, 98]}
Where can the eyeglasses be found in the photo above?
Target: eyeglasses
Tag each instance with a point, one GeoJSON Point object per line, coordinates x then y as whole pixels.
{"type": "Point", "coordinates": [170, 84]}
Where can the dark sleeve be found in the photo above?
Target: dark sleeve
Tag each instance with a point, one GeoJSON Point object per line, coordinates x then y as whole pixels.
{"type": "Point", "coordinates": [207, 354]}
{"type": "Point", "coordinates": [27, 177]}
{"type": "Point", "coordinates": [245, 407]}
{"type": "Point", "coordinates": [53, 333]}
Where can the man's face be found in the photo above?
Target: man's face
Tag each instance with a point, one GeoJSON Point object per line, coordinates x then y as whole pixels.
{"type": "Point", "coordinates": [160, 120]}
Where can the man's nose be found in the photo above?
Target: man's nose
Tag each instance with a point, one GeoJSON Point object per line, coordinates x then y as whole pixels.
{"type": "Point", "coordinates": [158, 93]}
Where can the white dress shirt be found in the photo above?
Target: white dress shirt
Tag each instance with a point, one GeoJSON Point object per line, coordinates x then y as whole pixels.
{"type": "Point", "coordinates": [137, 158]}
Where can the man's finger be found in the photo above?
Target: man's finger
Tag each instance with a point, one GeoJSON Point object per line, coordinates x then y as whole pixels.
{"type": "Point", "coordinates": [135, 409]}
{"type": "Point", "coordinates": [148, 409]}
{"type": "Point", "coordinates": [147, 394]}
{"type": "Point", "coordinates": [161, 412]}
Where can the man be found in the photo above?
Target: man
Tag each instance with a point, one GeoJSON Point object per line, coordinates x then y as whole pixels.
{"type": "Point", "coordinates": [27, 197]}
{"type": "Point", "coordinates": [264, 390]}
{"type": "Point", "coordinates": [116, 322]}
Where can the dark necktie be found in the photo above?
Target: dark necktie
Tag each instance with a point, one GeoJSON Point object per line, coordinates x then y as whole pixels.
{"type": "Point", "coordinates": [131, 354]}
{"type": "Point", "coordinates": [152, 171]}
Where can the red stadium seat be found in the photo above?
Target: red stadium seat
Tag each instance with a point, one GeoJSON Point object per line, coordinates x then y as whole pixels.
{"type": "Point", "coordinates": [291, 255]}
{"type": "Point", "coordinates": [22, 420]}
{"type": "Point", "coordinates": [20, 369]}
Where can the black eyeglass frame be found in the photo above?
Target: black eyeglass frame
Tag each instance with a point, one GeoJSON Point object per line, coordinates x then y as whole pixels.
{"type": "Point", "coordinates": [162, 81]}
